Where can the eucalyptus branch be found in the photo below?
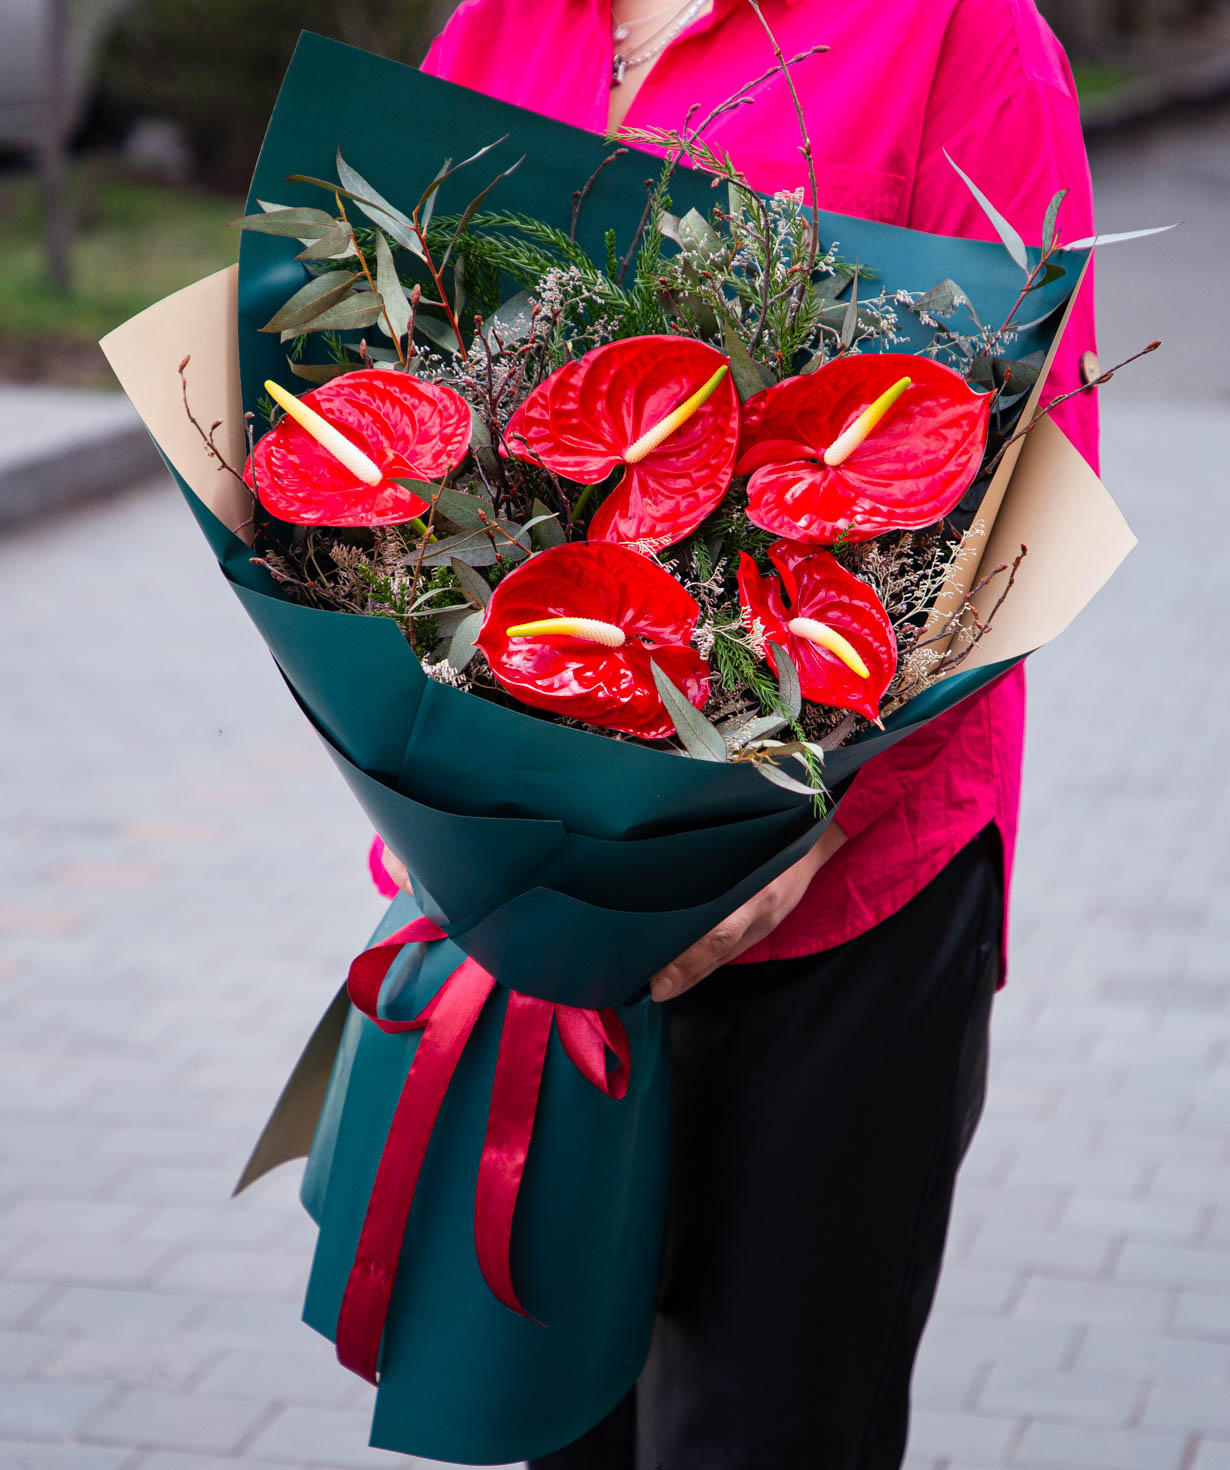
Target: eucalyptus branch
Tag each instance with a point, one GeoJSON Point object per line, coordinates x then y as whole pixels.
{"type": "Point", "coordinates": [363, 266]}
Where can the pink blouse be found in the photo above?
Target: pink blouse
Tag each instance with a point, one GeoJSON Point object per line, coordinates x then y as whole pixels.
{"type": "Point", "coordinates": [985, 80]}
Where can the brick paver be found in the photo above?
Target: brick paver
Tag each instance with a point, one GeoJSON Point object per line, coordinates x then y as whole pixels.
{"type": "Point", "coordinates": [183, 883]}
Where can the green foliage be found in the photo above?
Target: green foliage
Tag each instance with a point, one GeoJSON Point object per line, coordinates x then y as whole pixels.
{"type": "Point", "coordinates": [134, 243]}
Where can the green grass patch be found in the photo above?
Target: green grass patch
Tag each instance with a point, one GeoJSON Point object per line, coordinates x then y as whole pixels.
{"type": "Point", "coordinates": [134, 243]}
{"type": "Point", "coordinates": [1096, 78]}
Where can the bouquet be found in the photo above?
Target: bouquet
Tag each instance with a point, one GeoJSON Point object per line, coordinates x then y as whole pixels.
{"type": "Point", "coordinates": [624, 515]}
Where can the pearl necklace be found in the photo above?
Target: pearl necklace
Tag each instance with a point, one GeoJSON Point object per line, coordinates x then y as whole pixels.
{"type": "Point", "coordinates": [621, 65]}
{"type": "Point", "coordinates": [622, 29]}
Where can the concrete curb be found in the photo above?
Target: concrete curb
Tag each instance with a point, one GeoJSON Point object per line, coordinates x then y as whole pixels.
{"type": "Point", "coordinates": [63, 447]}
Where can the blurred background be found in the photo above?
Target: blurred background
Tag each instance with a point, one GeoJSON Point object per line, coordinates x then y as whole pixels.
{"type": "Point", "coordinates": [182, 877]}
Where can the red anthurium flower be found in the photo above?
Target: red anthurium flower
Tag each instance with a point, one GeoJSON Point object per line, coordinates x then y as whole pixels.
{"type": "Point", "coordinates": [378, 426]}
{"type": "Point", "coordinates": [573, 630]}
{"type": "Point", "coordinates": [832, 625]}
{"type": "Point", "coordinates": [820, 470]}
{"type": "Point", "coordinates": [599, 413]}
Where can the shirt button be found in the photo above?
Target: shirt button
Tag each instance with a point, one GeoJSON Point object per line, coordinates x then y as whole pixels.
{"type": "Point", "coordinates": [1091, 368]}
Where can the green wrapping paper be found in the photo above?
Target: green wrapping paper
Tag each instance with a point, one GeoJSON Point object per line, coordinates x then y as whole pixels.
{"type": "Point", "coordinates": [458, 1368]}
{"type": "Point", "coordinates": [568, 865]}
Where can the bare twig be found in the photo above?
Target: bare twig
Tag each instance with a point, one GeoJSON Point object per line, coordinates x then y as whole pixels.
{"type": "Point", "coordinates": [651, 190]}
{"type": "Point", "coordinates": [582, 194]}
{"type": "Point", "coordinates": [1050, 408]}
{"type": "Point", "coordinates": [805, 146]}
{"type": "Point", "coordinates": [737, 99]}
{"type": "Point", "coordinates": [211, 447]}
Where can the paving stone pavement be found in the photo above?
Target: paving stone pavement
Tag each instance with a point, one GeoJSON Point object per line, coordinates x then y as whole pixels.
{"type": "Point", "coordinates": [183, 884]}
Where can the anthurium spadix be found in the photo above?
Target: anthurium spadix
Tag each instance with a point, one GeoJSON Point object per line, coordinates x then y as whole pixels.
{"type": "Point", "coordinates": [864, 445]}
{"type": "Point", "coordinates": [660, 410]}
{"type": "Point", "coordinates": [336, 456]}
{"type": "Point", "coordinates": [577, 629]}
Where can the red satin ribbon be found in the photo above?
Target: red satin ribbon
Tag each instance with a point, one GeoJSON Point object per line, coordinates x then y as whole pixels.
{"type": "Point", "coordinates": [446, 1023]}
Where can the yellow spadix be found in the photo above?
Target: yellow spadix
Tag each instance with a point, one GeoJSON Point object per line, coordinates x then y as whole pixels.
{"type": "Point", "coordinates": [346, 453]}
{"type": "Point", "coordinates": [664, 428]}
{"type": "Point", "coordinates": [845, 444]}
{"type": "Point", "coordinates": [592, 630]}
{"type": "Point", "coordinates": [826, 637]}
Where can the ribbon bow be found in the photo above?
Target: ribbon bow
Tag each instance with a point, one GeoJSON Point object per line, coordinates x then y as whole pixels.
{"type": "Point", "coordinates": [446, 1022]}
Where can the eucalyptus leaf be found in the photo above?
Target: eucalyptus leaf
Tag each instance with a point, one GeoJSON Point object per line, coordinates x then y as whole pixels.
{"type": "Point", "coordinates": [700, 738]}
{"type": "Point", "coordinates": [474, 206]}
{"type": "Point", "coordinates": [440, 332]}
{"type": "Point", "coordinates": [1051, 220]}
{"type": "Point", "coordinates": [748, 375]}
{"type": "Point", "coordinates": [317, 296]}
{"type": "Point", "coordinates": [457, 507]}
{"type": "Point", "coordinates": [447, 622]}
{"type": "Point", "coordinates": [535, 522]}
{"type": "Point", "coordinates": [320, 372]}
{"type": "Point", "coordinates": [450, 168]}
{"type": "Point", "coordinates": [1013, 243]}
{"type": "Point", "coordinates": [757, 729]}
{"type": "Point", "coordinates": [830, 286]}
{"type": "Point", "coordinates": [1015, 375]}
{"type": "Point", "coordinates": [1090, 241]}
{"type": "Point", "coordinates": [377, 208]}
{"type": "Point", "coordinates": [481, 548]}
{"type": "Point", "coordinates": [547, 529]}
{"type": "Point", "coordinates": [779, 778]}
{"type": "Point", "coordinates": [339, 242]}
{"type": "Point", "coordinates": [1051, 271]}
{"type": "Point", "coordinates": [350, 314]}
{"type": "Point", "coordinates": [510, 322]}
{"type": "Point", "coordinates": [427, 200]}
{"type": "Point", "coordinates": [698, 238]}
{"type": "Point", "coordinates": [296, 224]}
{"type": "Point", "coordinates": [462, 647]}
{"type": "Point", "coordinates": [789, 690]}
{"type": "Point", "coordinates": [836, 317]}
{"type": "Point", "coordinates": [472, 583]}
{"type": "Point", "coordinates": [466, 546]}
{"type": "Point", "coordinates": [396, 312]}
{"type": "Point", "coordinates": [849, 319]}
{"type": "Point", "coordinates": [941, 300]}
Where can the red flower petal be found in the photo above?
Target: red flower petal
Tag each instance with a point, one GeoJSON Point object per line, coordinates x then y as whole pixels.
{"type": "Point", "coordinates": [582, 419]}
{"type": "Point", "coordinates": [909, 472]}
{"type": "Point", "coordinates": [609, 687]}
{"type": "Point", "coordinates": [410, 428]}
{"type": "Point", "coordinates": [820, 588]}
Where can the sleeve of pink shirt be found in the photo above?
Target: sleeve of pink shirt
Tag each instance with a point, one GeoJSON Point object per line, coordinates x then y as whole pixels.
{"type": "Point", "coordinates": [1021, 148]}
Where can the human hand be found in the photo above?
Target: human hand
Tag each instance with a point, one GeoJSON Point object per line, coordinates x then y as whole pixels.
{"type": "Point", "coordinates": [396, 870]}
{"type": "Point", "coordinates": [748, 925]}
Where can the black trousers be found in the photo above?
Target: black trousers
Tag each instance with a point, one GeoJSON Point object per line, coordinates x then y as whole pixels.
{"type": "Point", "coordinates": [821, 1108]}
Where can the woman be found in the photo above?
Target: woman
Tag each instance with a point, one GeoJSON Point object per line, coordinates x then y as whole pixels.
{"type": "Point", "coordinates": [830, 1070]}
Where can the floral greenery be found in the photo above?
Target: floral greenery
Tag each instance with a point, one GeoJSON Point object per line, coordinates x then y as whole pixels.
{"type": "Point", "coordinates": [430, 293]}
